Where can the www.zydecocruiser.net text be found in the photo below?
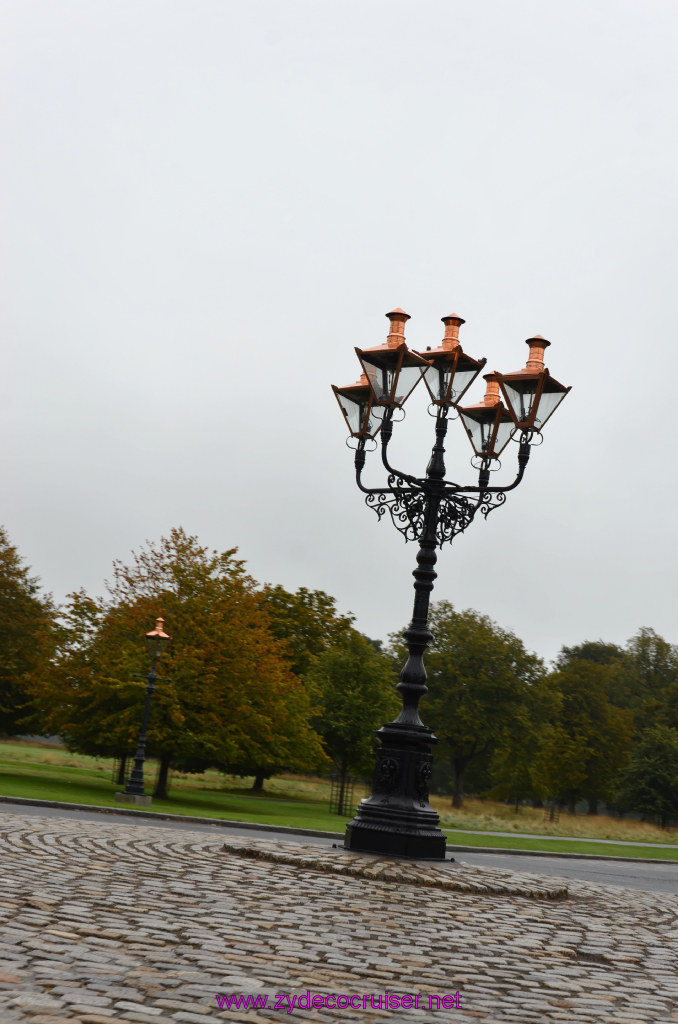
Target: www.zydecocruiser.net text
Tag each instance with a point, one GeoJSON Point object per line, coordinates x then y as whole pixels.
{"type": "Point", "coordinates": [322, 1000]}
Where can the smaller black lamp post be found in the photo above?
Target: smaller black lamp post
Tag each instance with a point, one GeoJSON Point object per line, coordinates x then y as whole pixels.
{"type": "Point", "coordinates": [157, 642]}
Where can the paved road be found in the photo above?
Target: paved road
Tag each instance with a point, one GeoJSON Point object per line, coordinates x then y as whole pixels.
{"type": "Point", "coordinates": [104, 921]}
{"type": "Point", "coordinates": [652, 877]}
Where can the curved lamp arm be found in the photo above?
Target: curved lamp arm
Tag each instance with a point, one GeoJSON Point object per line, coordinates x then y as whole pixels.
{"type": "Point", "coordinates": [386, 433]}
{"type": "Point", "coordinates": [484, 474]}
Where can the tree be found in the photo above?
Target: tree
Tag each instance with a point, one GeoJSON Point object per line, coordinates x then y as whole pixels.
{"type": "Point", "coordinates": [306, 623]}
{"type": "Point", "coordinates": [650, 782]}
{"type": "Point", "coordinates": [356, 687]}
{"type": "Point", "coordinates": [589, 740]}
{"type": "Point", "coordinates": [654, 679]}
{"type": "Point", "coordinates": [479, 678]}
{"type": "Point", "coordinates": [26, 635]}
{"type": "Point", "coordinates": [226, 696]}
{"type": "Point", "coordinates": [515, 762]}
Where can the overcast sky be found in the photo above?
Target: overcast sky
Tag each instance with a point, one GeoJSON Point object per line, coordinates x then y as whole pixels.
{"type": "Point", "coordinates": [206, 205]}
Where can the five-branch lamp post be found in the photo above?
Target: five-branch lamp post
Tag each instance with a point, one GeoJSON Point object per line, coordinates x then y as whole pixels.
{"type": "Point", "coordinates": [397, 817]}
{"type": "Point", "coordinates": [157, 642]}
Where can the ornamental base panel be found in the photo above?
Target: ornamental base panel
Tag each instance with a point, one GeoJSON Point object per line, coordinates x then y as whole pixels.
{"type": "Point", "coordinates": [397, 818]}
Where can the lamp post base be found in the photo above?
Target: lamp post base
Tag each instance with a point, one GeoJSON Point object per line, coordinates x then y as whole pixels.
{"type": "Point", "coordinates": [134, 798]}
{"type": "Point", "coordinates": [397, 818]}
{"type": "Point", "coordinates": [412, 845]}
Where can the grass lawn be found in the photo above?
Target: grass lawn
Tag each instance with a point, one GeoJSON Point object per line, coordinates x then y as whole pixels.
{"type": "Point", "coordinates": [48, 772]}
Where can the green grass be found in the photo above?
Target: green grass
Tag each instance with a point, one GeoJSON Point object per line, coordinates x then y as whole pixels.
{"type": "Point", "coordinates": [48, 772]}
{"type": "Point", "coordinates": [562, 846]}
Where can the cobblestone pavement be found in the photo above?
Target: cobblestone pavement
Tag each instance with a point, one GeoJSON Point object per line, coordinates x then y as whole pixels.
{"type": "Point", "coordinates": [102, 922]}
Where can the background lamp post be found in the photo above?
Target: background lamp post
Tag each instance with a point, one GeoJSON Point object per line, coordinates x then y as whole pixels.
{"type": "Point", "coordinates": [157, 642]}
{"type": "Point", "coordinates": [397, 819]}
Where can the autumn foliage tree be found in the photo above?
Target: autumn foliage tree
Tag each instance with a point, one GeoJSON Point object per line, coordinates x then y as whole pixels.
{"type": "Point", "coordinates": [225, 696]}
{"type": "Point", "coordinates": [306, 622]}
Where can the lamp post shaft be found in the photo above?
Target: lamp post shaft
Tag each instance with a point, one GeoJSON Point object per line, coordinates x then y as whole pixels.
{"type": "Point", "coordinates": [135, 785]}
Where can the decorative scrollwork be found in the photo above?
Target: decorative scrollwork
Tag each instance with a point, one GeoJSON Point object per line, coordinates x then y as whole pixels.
{"type": "Point", "coordinates": [454, 515]}
{"type": "Point", "coordinates": [407, 509]}
{"type": "Point", "coordinates": [491, 500]}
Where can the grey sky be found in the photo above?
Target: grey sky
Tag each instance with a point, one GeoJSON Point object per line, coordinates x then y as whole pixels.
{"type": "Point", "coordinates": [207, 205]}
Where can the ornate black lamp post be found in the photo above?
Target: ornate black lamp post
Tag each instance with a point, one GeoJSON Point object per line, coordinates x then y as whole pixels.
{"type": "Point", "coordinates": [157, 642]}
{"type": "Point", "coordinates": [397, 818]}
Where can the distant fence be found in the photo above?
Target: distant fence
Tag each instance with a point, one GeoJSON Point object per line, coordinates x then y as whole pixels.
{"type": "Point", "coordinates": [343, 796]}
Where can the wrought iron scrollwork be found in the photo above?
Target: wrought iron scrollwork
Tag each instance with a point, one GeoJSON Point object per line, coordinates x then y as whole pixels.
{"type": "Point", "coordinates": [455, 514]}
{"type": "Point", "coordinates": [406, 507]}
{"type": "Point", "coordinates": [490, 500]}
{"type": "Point", "coordinates": [433, 506]}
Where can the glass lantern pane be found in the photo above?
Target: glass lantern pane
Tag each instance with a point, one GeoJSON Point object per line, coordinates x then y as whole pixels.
{"type": "Point", "coordinates": [506, 428]}
{"type": "Point", "coordinates": [355, 411]}
{"type": "Point", "coordinates": [551, 397]}
{"type": "Point", "coordinates": [467, 371]}
{"type": "Point", "coordinates": [462, 380]}
{"type": "Point", "coordinates": [438, 380]}
{"type": "Point", "coordinates": [520, 395]}
{"type": "Point", "coordinates": [479, 426]}
{"type": "Point", "coordinates": [380, 377]}
{"type": "Point", "coordinates": [408, 379]}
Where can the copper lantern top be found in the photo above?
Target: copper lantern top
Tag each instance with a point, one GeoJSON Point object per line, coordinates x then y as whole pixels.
{"type": "Point", "coordinates": [157, 640]}
{"type": "Point", "coordinates": [532, 394]}
{"type": "Point", "coordinates": [452, 370]}
{"type": "Point", "coordinates": [392, 369]}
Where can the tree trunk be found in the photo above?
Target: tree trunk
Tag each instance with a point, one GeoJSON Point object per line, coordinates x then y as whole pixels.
{"type": "Point", "coordinates": [517, 805]}
{"type": "Point", "coordinates": [458, 765]}
{"type": "Point", "coordinates": [571, 801]}
{"type": "Point", "coordinates": [122, 770]}
{"type": "Point", "coordinates": [593, 807]}
{"type": "Point", "coordinates": [258, 784]}
{"type": "Point", "coordinates": [160, 790]}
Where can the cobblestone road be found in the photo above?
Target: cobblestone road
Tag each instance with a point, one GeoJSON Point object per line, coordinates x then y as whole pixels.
{"type": "Point", "coordinates": [102, 922]}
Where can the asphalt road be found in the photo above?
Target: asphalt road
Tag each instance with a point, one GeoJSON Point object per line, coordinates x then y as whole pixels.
{"type": "Point", "coordinates": [634, 874]}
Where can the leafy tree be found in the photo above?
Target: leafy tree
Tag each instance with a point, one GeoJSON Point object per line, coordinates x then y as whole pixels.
{"type": "Point", "coordinates": [589, 740]}
{"type": "Point", "coordinates": [650, 782]}
{"type": "Point", "coordinates": [515, 762]}
{"type": "Point", "coordinates": [306, 622]}
{"type": "Point", "coordinates": [479, 677]}
{"type": "Point", "coordinates": [654, 679]}
{"type": "Point", "coordinates": [226, 696]}
{"type": "Point", "coordinates": [26, 636]}
{"type": "Point", "coordinates": [598, 651]}
{"type": "Point", "coordinates": [356, 687]}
